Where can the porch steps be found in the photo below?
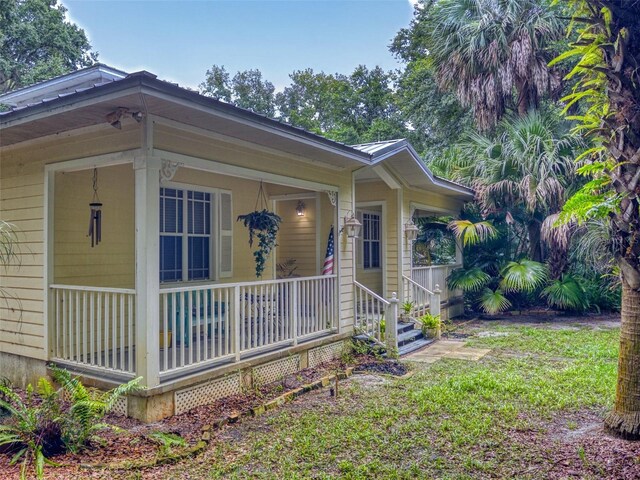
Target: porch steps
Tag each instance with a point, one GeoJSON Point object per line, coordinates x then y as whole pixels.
{"type": "Point", "coordinates": [410, 338]}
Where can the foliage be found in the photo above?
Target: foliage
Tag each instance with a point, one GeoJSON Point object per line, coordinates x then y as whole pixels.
{"type": "Point", "coordinates": [38, 43]}
{"type": "Point", "coordinates": [566, 293]}
{"type": "Point", "coordinates": [494, 301]}
{"type": "Point", "coordinates": [468, 279]}
{"type": "Point", "coordinates": [264, 225]}
{"type": "Point", "coordinates": [167, 441]}
{"type": "Point", "coordinates": [430, 323]}
{"type": "Point", "coordinates": [51, 420]}
{"type": "Point", "coordinates": [435, 244]}
{"type": "Point", "coordinates": [246, 89]}
{"type": "Point", "coordinates": [356, 108]}
{"type": "Point", "coordinates": [470, 233]}
{"type": "Point", "coordinates": [523, 276]}
{"type": "Point", "coordinates": [287, 268]}
{"type": "Point", "coordinates": [407, 307]}
{"type": "Point", "coordinates": [492, 53]}
{"type": "Point", "coordinates": [607, 86]}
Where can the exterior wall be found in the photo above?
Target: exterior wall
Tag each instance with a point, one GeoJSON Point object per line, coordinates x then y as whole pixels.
{"type": "Point", "coordinates": [112, 262]}
{"type": "Point", "coordinates": [208, 148]}
{"type": "Point", "coordinates": [378, 191]}
{"type": "Point", "coordinates": [22, 330]}
{"type": "Point", "coordinates": [298, 236]}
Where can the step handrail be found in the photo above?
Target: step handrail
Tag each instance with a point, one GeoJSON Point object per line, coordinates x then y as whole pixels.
{"type": "Point", "coordinates": [413, 282]}
{"type": "Point", "coordinates": [372, 293]}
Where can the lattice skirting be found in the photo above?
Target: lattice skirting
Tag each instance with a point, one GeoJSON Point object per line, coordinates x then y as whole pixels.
{"type": "Point", "coordinates": [325, 353]}
{"type": "Point", "coordinates": [121, 407]}
{"type": "Point", "coordinates": [274, 371]}
{"type": "Point", "coordinates": [207, 393]}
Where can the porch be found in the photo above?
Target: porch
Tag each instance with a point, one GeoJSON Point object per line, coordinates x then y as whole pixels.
{"type": "Point", "coordinates": [199, 327]}
{"type": "Point", "coordinates": [170, 293]}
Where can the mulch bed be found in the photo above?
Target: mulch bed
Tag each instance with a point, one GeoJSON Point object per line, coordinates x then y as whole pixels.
{"type": "Point", "coordinates": [389, 367]}
{"type": "Point", "coordinates": [130, 441]}
{"type": "Point", "coordinates": [586, 450]}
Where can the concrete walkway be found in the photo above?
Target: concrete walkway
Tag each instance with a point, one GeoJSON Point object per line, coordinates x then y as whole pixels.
{"type": "Point", "coordinates": [447, 349]}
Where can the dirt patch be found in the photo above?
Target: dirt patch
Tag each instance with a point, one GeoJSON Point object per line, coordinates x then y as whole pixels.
{"type": "Point", "coordinates": [577, 445]}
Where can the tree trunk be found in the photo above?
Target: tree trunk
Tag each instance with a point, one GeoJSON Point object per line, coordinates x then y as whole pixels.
{"type": "Point", "coordinates": [625, 417]}
{"type": "Point", "coordinates": [535, 246]}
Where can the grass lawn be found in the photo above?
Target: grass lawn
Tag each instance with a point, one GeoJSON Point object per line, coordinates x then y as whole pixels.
{"type": "Point", "coordinates": [530, 409]}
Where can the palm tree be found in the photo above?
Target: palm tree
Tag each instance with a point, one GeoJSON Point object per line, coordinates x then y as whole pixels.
{"type": "Point", "coordinates": [608, 50]}
{"type": "Point", "coordinates": [523, 175]}
{"type": "Point", "coordinates": [492, 53]}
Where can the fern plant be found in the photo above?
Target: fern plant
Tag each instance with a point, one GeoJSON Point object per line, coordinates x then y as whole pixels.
{"type": "Point", "coordinates": [52, 420]}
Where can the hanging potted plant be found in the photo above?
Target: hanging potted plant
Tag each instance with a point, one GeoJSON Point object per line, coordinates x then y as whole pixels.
{"type": "Point", "coordinates": [263, 225]}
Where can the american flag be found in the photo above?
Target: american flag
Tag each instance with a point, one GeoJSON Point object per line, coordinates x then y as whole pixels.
{"type": "Point", "coordinates": [327, 268]}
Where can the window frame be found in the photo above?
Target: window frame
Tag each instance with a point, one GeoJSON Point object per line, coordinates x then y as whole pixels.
{"type": "Point", "coordinates": [214, 234]}
{"type": "Point", "coordinates": [362, 212]}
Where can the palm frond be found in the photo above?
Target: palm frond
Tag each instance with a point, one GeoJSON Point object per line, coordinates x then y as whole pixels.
{"type": "Point", "coordinates": [523, 276]}
{"type": "Point", "coordinates": [473, 233]}
{"type": "Point", "coordinates": [468, 280]}
{"type": "Point", "coordinates": [493, 301]}
{"type": "Point", "coordinates": [566, 294]}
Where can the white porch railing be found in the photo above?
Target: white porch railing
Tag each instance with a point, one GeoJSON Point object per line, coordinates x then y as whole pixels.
{"type": "Point", "coordinates": [424, 301]}
{"type": "Point", "coordinates": [93, 327]}
{"type": "Point", "coordinates": [375, 317]}
{"type": "Point", "coordinates": [212, 323]}
{"type": "Point", "coordinates": [429, 277]}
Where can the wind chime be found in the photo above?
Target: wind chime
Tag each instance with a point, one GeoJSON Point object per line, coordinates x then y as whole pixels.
{"type": "Point", "coordinates": [95, 221]}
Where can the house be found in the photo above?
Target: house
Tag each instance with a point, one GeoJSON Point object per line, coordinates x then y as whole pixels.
{"type": "Point", "coordinates": [165, 286]}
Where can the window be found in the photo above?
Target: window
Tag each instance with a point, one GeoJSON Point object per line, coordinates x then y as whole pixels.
{"type": "Point", "coordinates": [187, 246]}
{"type": "Point", "coordinates": [370, 240]}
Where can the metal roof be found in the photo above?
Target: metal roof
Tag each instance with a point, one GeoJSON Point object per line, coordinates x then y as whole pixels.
{"type": "Point", "coordinates": [60, 92]}
{"type": "Point", "coordinates": [377, 148]}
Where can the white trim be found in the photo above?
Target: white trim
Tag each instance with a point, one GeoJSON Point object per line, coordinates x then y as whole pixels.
{"type": "Point", "coordinates": [206, 165]}
{"type": "Point", "coordinates": [95, 161]}
{"type": "Point", "coordinates": [293, 196]}
{"type": "Point", "coordinates": [386, 177]}
{"type": "Point", "coordinates": [401, 240]}
{"type": "Point", "coordinates": [413, 206]}
{"type": "Point", "coordinates": [319, 255]}
{"type": "Point", "coordinates": [79, 103]}
{"type": "Point", "coordinates": [214, 246]}
{"type": "Point", "coordinates": [383, 238]}
{"type": "Point", "coordinates": [48, 255]}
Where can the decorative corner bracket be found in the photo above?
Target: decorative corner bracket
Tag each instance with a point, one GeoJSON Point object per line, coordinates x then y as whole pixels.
{"type": "Point", "coordinates": [168, 170]}
{"type": "Point", "coordinates": [333, 197]}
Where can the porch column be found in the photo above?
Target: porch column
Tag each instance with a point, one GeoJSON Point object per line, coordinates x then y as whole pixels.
{"type": "Point", "coordinates": [147, 215]}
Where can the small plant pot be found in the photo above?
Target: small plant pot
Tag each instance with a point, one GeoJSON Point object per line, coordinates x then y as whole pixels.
{"type": "Point", "coordinates": [432, 332]}
{"type": "Point", "coordinates": [169, 337]}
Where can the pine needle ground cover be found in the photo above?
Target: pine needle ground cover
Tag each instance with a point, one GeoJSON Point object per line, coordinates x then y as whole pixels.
{"type": "Point", "coordinates": [531, 409]}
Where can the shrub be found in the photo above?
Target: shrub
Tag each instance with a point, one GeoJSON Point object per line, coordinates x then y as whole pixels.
{"type": "Point", "coordinates": [52, 420]}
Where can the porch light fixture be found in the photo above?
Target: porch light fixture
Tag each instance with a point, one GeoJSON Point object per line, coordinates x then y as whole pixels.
{"type": "Point", "coordinates": [300, 208]}
{"type": "Point", "coordinates": [351, 225]}
{"type": "Point", "coordinates": [411, 231]}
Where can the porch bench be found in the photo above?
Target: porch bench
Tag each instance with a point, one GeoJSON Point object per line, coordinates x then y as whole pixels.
{"type": "Point", "coordinates": [212, 318]}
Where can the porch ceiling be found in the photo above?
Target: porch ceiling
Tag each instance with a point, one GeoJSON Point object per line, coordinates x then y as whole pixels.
{"type": "Point", "coordinates": [143, 92]}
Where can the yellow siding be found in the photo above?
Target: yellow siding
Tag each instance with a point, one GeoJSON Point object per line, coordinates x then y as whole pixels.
{"type": "Point", "coordinates": [297, 236]}
{"type": "Point", "coordinates": [112, 262]}
{"type": "Point", "coordinates": [22, 204]}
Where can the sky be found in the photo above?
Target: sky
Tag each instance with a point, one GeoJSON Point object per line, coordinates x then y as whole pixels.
{"type": "Point", "coordinates": [180, 40]}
